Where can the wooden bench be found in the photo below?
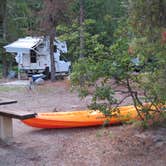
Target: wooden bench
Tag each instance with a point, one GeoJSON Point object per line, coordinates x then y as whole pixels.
{"type": "Point", "coordinates": [5, 101]}
{"type": "Point", "coordinates": [6, 124]}
{"type": "Point", "coordinates": [6, 116]}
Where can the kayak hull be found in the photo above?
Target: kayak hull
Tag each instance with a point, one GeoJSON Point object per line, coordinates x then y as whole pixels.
{"type": "Point", "coordinates": [80, 118]}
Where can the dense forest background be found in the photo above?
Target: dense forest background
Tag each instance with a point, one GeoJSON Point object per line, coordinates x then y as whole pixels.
{"type": "Point", "coordinates": [120, 39]}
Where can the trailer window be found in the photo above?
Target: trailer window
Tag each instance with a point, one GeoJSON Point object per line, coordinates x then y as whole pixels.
{"type": "Point", "coordinates": [33, 57]}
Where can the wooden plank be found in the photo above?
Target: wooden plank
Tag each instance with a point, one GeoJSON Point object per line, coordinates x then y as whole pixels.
{"type": "Point", "coordinates": [4, 101]}
{"type": "Point", "coordinates": [6, 127]}
{"type": "Point", "coordinates": [17, 114]}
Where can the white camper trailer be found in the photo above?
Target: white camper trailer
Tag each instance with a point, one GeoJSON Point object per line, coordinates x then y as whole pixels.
{"type": "Point", "coordinates": [33, 55]}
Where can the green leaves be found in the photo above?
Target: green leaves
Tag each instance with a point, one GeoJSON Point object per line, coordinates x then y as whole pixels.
{"type": "Point", "coordinates": [21, 18]}
{"type": "Point", "coordinates": [115, 32]}
{"type": "Point", "coordinates": [103, 92]}
{"type": "Point", "coordinates": [137, 37]}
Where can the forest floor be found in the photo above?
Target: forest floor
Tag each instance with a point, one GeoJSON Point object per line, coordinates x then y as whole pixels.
{"type": "Point", "coordinates": [123, 145]}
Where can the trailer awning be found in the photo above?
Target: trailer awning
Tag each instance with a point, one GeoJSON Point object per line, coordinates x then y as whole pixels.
{"type": "Point", "coordinates": [23, 45]}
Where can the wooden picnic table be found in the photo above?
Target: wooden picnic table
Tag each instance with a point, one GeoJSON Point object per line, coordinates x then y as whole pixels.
{"type": "Point", "coordinates": [6, 116]}
{"type": "Point", "coordinates": [5, 101]}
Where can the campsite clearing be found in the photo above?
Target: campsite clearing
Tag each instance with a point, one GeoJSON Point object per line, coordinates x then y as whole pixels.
{"type": "Point", "coordinates": [115, 146]}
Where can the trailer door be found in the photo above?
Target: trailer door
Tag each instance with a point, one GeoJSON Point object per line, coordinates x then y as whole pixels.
{"type": "Point", "coordinates": [33, 60]}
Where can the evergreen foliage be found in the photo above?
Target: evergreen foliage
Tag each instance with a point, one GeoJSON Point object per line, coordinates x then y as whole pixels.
{"type": "Point", "coordinates": [140, 35]}
{"type": "Point", "coordinates": [124, 43]}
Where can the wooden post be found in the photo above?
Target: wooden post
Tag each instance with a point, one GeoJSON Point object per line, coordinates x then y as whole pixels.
{"type": "Point", "coordinates": [6, 127]}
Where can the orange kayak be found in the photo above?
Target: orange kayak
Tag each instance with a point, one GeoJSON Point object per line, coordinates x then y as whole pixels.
{"type": "Point", "coordinates": [80, 118]}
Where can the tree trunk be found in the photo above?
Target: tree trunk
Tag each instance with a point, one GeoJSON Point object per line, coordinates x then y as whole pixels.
{"type": "Point", "coordinates": [3, 35]}
{"type": "Point", "coordinates": [53, 69]}
{"type": "Point", "coordinates": [162, 13]}
{"type": "Point", "coordinates": [82, 45]}
{"type": "Point", "coordinates": [4, 19]}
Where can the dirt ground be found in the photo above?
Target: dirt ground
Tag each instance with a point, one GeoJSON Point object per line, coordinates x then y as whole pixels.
{"type": "Point", "coordinates": [124, 145]}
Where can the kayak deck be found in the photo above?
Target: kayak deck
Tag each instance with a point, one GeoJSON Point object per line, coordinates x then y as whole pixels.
{"type": "Point", "coordinates": [80, 118]}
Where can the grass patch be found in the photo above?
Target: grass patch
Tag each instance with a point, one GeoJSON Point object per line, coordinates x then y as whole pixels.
{"type": "Point", "coordinates": [9, 88]}
{"type": "Point", "coordinates": [45, 89]}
